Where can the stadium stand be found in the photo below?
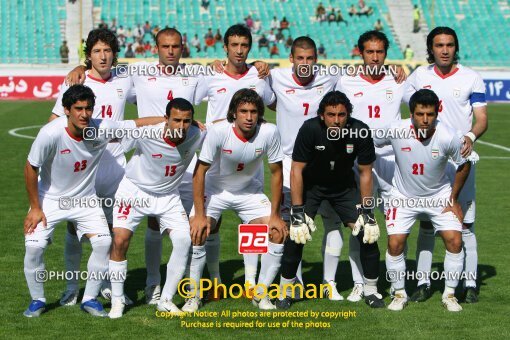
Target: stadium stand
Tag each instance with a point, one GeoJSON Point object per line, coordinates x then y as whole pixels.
{"type": "Point", "coordinates": [31, 31]}
{"type": "Point", "coordinates": [485, 22]}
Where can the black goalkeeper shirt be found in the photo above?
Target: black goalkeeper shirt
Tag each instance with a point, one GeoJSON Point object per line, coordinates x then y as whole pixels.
{"type": "Point", "coordinates": [329, 162]}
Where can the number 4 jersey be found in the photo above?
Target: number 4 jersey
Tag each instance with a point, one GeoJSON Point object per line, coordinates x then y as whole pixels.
{"type": "Point", "coordinates": [420, 169]}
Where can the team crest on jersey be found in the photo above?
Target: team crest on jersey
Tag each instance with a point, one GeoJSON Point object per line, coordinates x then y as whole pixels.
{"type": "Point", "coordinates": [435, 153]}
{"type": "Point", "coordinates": [389, 95]}
{"type": "Point", "coordinates": [320, 90]}
{"type": "Point", "coordinates": [120, 93]}
{"type": "Point", "coordinates": [349, 148]}
{"type": "Point", "coordinates": [358, 95]}
{"type": "Point", "coordinates": [290, 91]}
{"type": "Point", "coordinates": [456, 92]}
{"type": "Point", "coordinates": [185, 81]}
{"type": "Point", "coordinates": [258, 152]}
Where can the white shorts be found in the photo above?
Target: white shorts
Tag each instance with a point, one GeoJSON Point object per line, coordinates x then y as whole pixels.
{"type": "Point", "coordinates": [167, 209]}
{"type": "Point", "coordinates": [248, 205]}
{"type": "Point", "coordinates": [467, 194]}
{"type": "Point", "coordinates": [400, 219]}
{"type": "Point", "coordinates": [325, 210]}
{"type": "Point", "coordinates": [87, 221]}
{"type": "Point", "coordinates": [382, 173]}
{"type": "Point", "coordinates": [109, 174]}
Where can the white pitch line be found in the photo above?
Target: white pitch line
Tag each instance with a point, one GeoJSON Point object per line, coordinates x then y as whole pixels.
{"type": "Point", "coordinates": [501, 147]}
{"type": "Point", "coordinates": [14, 132]}
{"type": "Point", "coordinates": [493, 157]}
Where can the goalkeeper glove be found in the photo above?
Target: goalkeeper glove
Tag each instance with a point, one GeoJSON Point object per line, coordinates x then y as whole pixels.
{"type": "Point", "coordinates": [367, 221]}
{"type": "Point", "coordinates": [301, 226]}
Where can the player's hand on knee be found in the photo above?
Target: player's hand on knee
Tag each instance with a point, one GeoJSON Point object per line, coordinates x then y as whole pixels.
{"type": "Point", "coordinates": [456, 209]}
{"type": "Point", "coordinates": [199, 230]}
{"type": "Point", "coordinates": [278, 231]}
{"type": "Point", "coordinates": [301, 225]}
{"type": "Point", "coordinates": [33, 218]}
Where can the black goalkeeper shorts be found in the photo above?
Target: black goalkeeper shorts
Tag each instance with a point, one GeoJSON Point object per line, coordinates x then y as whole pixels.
{"type": "Point", "coordinates": [343, 202]}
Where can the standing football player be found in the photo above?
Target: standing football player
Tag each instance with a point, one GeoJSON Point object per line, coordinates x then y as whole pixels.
{"type": "Point", "coordinates": [112, 91]}
{"type": "Point", "coordinates": [421, 172]}
{"type": "Point", "coordinates": [375, 96]}
{"type": "Point", "coordinates": [461, 92]}
{"type": "Point", "coordinates": [231, 155]}
{"type": "Point", "coordinates": [219, 89]}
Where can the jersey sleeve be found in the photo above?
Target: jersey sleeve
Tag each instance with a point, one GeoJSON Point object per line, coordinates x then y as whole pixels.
{"type": "Point", "coordinates": [303, 147]}
{"type": "Point", "coordinates": [42, 148]}
{"type": "Point", "coordinates": [210, 147]}
{"type": "Point", "coordinates": [58, 109]}
{"type": "Point", "coordinates": [274, 152]}
{"type": "Point", "coordinates": [201, 89]}
{"type": "Point", "coordinates": [477, 97]}
{"type": "Point", "coordinates": [382, 139]}
{"type": "Point", "coordinates": [131, 95]}
{"type": "Point", "coordinates": [454, 148]}
{"type": "Point", "coordinates": [338, 85]}
{"type": "Point", "coordinates": [410, 87]}
{"type": "Point", "coordinates": [268, 97]}
{"type": "Point", "coordinates": [366, 150]}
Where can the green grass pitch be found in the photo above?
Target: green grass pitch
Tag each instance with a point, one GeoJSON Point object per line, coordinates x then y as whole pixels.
{"type": "Point", "coordinates": [424, 320]}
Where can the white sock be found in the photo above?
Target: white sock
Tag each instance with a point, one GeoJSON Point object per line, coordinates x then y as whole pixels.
{"type": "Point", "coordinates": [355, 260]}
{"type": "Point", "coordinates": [212, 249]}
{"type": "Point", "coordinates": [251, 262]}
{"type": "Point", "coordinates": [453, 264]}
{"type": "Point", "coordinates": [396, 267]}
{"type": "Point", "coordinates": [370, 286]}
{"type": "Point", "coordinates": [471, 256]}
{"type": "Point", "coordinates": [270, 265]}
{"type": "Point", "coordinates": [424, 251]}
{"type": "Point", "coordinates": [287, 291]}
{"type": "Point", "coordinates": [72, 259]}
{"type": "Point", "coordinates": [196, 267]}
{"type": "Point", "coordinates": [34, 264]}
{"type": "Point", "coordinates": [97, 264]}
{"type": "Point", "coordinates": [331, 248]}
{"type": "Point", "coordinates": [117, 271]}
{"type": "Point", "coordinates": [153, 250]}
{"type": "Point", "coordinates": [176, 266]}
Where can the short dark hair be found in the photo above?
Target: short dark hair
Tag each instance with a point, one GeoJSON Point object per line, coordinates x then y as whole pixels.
{"type": "Point", "coordinates": [373, 35]}
{"type": "Point", "coordinates": [424, 97]}
{"type": "Point", "coordinates": [167, 31]}
{"type": "Point", "coordinates": [244, 96]}
{"type": "Point", "coordinates": [179, 104]}
{"type": "Point", "coordinates": [430, 41]}
{"type": "Point", "coordinates": [77, 93]}
{"type": "Point", "coordinates": [239, 30]}
{"type": "Point", "coordinates": [334, 98]}
{"type": "Point", "coordinates": [107, 37]}
{"type": "Point", "coordinates": [303, 42]}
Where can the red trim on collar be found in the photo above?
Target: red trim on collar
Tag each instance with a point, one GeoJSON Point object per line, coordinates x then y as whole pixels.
{"type": "Point", "coordinates": [169, 142]}
{"type": "Point", "coordinates": [244, 140]}
{"type": "Point", "coordinates": [78, 139]}
{"type": "Point", "coordinates": [444, 76]}
{"type": "Point", "coordinates": [371, 81]}
{"type": "Point", "coordinates": [101, 80]}
{"type": "Point", "coordinates": [237, 76]}
{"type": "Point", "coordinates": [300, 83]}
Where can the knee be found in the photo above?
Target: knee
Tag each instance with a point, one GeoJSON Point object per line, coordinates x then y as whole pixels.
{"type": "Point", "coordinates": [276, 236]}
{"type": "Point", "coordinates": [454, 244]}
{"type": "Point", "coordinates": [180, 240]}
{"type": "Point", "coordinates": [395, 247]}
{"type": "Point", "coordinates": [101, 241]}
{"type": "Point", "coordinates": [120, 243]}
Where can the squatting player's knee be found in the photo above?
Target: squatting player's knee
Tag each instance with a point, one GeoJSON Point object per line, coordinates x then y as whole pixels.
{"type": "Point", "coordinates": [453, 244]}
{"type": "Point", "coordinates": [396, 246]}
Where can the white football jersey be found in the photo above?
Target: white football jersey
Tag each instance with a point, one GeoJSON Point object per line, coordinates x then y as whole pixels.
{"type": "Point", "coordinates": [234, 160]}
{"type": "Point", "coordinates": [375, 103]}
{"type": "Point", "coordinates": [420, 169]}
{"type": "Point", "coordinates": [458, 92]}
{"type": "Point", "coordinates": [111, 97]}
{"type": "Point", "coordinates": [153, 92]}
{"type": "Point", "coordinates": [296, 103]}
{"type": "Point", "coordinates": [158, 165]}
{"type": "Point", "coordinates": [221, 87]}
{"type": "Point", "coordinates": [68, 165]}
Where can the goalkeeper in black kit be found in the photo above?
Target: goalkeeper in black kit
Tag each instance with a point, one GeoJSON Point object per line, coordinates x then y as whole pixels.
{"type": "Point", "coordinates": [325, 151]}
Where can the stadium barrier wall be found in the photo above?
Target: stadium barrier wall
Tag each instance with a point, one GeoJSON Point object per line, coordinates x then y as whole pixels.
{"type": "Point", "coordinates": [43, 82]}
